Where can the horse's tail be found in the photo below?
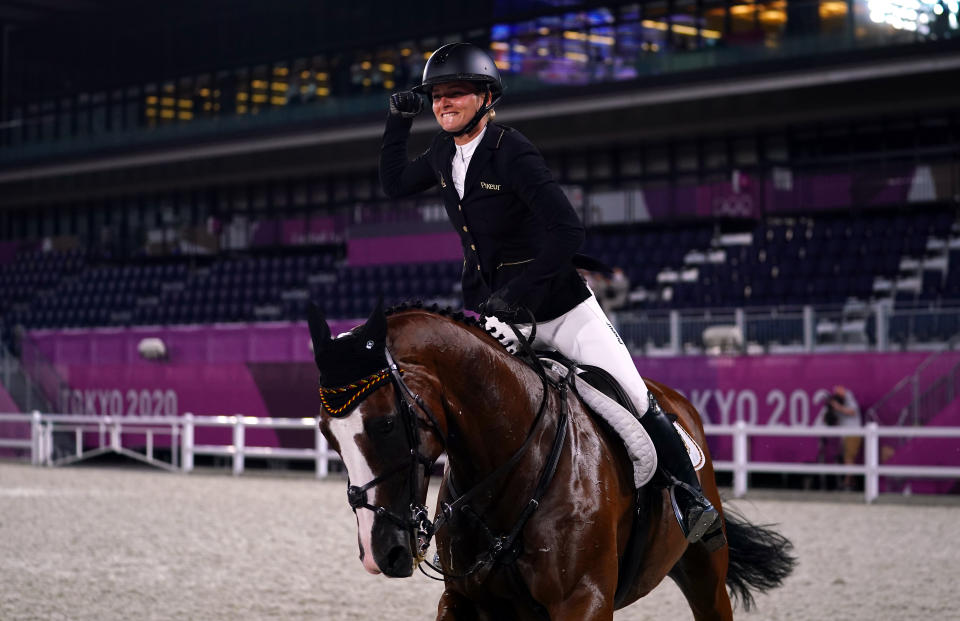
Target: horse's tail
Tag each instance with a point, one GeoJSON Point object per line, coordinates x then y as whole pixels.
{"type": "Point", "coordinates": [760, 558]}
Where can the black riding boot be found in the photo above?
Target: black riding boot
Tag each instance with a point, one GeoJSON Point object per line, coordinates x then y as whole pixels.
{"type": "Point", "coordinates": [694, 512]}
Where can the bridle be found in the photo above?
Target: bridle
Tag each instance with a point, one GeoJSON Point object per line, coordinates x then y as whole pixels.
{"type": "Point", "coordinates": [417, 520]}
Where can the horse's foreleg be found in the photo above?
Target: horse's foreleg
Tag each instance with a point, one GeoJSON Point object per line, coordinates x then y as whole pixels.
{"type": "Point", "coordinates": [580, 586]}
{"type": "Point", "coordinates": [701, 576]}
{"type": "Point", "coordinates": [588, 603]}
{"type": "Point", "coordinates": [453, 606]}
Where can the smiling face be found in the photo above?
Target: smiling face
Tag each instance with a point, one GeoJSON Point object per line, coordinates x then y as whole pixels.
{"type": "Point", "coordinates": [455, 103]}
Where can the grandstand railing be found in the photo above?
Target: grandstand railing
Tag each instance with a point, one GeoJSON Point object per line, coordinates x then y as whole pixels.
{"type": "Point", "coordinates": [331, 110]}
{"type": "Point", "coordinates": [21, 384]}
{"type": "Point", "coordinates": [181, 430]}
{"type": "Point", "coordinates": [44, 377]}
{"type": "Point", "coordinates": [918, 397]}
{"type": "Point", "coordinates": [761, 330]}
{"type": "Point", "coordinates": [785, 329]}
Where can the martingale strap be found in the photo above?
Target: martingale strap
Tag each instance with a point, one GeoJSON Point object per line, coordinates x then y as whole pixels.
{"type": "Point", "coordinates": [339, 400]}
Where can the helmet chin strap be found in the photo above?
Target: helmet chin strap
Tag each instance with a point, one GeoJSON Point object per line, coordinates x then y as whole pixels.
{"type": "Point", "coordinates": [476, 118]}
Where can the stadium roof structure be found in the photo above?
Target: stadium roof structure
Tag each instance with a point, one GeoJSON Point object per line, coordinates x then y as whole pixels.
{"type": "Point", "coordinates": [21, 12]}
{"type": "Point", "coordinates": [64, 47]}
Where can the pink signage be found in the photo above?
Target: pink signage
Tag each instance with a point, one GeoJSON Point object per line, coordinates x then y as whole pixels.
{"type": "Point", "coordinates": [422, 248]}
{"type": "Point", "coordinates": [261, 342]}
{"type": "Point", "coordinates": [267, 370]}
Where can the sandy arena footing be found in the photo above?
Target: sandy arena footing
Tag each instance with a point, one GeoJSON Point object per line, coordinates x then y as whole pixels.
{"type": "Point", "coordinates": [90, 543]}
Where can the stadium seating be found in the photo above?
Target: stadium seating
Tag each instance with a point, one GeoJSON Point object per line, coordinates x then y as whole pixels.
{"type": "Point", "coordinates": [822, 261]}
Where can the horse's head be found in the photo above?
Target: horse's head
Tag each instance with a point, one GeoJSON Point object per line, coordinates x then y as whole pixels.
{"type": "Point", "coordinates": [385, 437]}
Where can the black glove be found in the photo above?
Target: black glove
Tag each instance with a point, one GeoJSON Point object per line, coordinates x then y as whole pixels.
{"type": "Point", "coordinates": [497, 306]}
{"type": "Point", "coordinates": [406, 104]}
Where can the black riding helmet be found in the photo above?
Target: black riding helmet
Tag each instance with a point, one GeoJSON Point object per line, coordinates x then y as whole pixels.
{"type": "Point", "coordinates": [456, 62]}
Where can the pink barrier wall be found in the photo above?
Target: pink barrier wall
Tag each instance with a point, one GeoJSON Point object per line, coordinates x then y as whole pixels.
{"type": "Point", "coordinates": [930, 452]}
{"type": "Point", "coordinates": [785, 390]}
{"type": "Point", "coordinates": [404, 249]}
{"type": "Point", "coordinates": [780, 390]}
{"type": "Point", "coordinates": [228, 343]}
{"type": "Point", "coordinates": [267, 370]}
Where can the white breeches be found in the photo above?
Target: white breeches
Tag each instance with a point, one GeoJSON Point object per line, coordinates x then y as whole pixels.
{"type": "Point", "coordinates": [585, 335]}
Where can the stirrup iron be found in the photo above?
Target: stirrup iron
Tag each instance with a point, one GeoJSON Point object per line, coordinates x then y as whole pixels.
{"type": "Point", "coordinates": [707, 517]}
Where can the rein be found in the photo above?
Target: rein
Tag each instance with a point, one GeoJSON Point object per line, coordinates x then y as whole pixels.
{"type": "Point", "coordinates": [501, 544]}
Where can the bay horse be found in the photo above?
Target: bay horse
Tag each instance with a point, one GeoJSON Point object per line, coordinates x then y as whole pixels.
{"type": "Point", "coordinates": [537, 513]}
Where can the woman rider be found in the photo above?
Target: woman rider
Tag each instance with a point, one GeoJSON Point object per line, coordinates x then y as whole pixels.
{"type": "Point", "coordinates": [520, 236]}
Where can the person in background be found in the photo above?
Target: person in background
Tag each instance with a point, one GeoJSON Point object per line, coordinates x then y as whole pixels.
{"type": "Point", "coordinates": [520, 236]}
{"type": "Point", "coordinates": [611, 290]}
{"type": "Point", "coordinates": [844, 411]}
{"type": "Point", "coordinates": [616, 291]}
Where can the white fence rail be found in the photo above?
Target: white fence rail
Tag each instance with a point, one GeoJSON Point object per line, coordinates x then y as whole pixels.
{"type": "Point", "coordinates": [23, 443]}
{"type": "Point", "coordinates": [239, 449]}
{"type": "Point", "coordinates": [871, 469]}
{"type": "Point", "coordinates": [181, 432]}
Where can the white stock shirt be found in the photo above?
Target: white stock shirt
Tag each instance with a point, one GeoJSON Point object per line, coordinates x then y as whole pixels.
{"type": "Point", "coordinates": [461, 160]}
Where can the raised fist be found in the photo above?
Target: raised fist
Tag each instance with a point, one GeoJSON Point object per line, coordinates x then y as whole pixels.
{"type": "Point", "coordinates": [406, 104]}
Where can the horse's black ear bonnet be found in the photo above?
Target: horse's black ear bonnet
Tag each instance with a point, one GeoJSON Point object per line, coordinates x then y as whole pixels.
{"type": "Point", "coordinates": [352, 365]}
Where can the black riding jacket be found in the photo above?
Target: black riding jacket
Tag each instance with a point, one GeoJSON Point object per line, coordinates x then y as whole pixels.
{"type": "Point", "coordinates": [518, 230]}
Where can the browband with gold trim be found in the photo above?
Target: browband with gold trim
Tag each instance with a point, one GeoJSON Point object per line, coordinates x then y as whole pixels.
{"type": "Point", "coordinates": [339, 400]}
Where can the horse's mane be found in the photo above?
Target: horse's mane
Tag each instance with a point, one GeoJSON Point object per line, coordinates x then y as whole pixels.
{"type": "Point", "coordinates": [444, 311]}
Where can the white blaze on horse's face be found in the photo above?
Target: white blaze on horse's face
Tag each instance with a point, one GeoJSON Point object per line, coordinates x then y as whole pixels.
{"type": "Point", "coordinates": [347, 431]}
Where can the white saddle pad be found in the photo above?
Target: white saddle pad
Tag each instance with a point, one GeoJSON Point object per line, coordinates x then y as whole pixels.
{"type": "Point", "coordinates": [639, 446]}
{"type": "Point", "coordinates": [640, 449]}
